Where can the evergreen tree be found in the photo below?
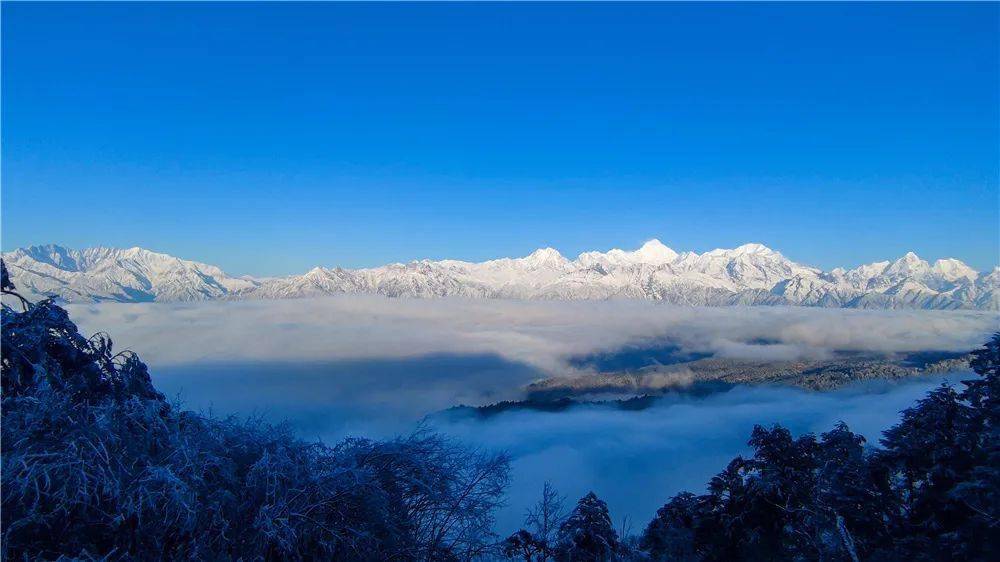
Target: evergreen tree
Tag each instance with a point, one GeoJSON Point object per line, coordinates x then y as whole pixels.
{"type": "Point", "coordinates": [984, 393]}
{"type": "Point", "coordinates": [850, 509]}
{"type": "Point", "coordinates": [587, 535]}
{"type": "Point", "coordinates": [931, 451]}
{"type": "Point", "coordinates": [670, 535]}
{"type": "Point", "coordinates": [932, 492]}
{"type": "Point", "coordinates": [980, 490]}
{"type": "Point", "coordinates": [718, 527]}
{"type": "Point", "coordinates": [782, 480]}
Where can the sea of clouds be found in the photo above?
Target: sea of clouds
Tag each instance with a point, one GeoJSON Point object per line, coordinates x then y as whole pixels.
{"type": "Point", "coordinates": [542, 334]}
{"type": "Point", "coordinates": [357, 365]}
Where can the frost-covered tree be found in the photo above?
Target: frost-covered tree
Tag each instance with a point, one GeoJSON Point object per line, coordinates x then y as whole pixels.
{"type": "Point", "coordinates": [523, 545]}
{"type": "Point", "coordinates": [850, 512]}
{"type": "Point", "coordinates": [755, 508]}
{"type": "Point", "coordinates": [942, 460]}
{"type": "Point", "coordinates": [926, 455]}
{"type": "Point", "coordinates": [984, 393]}
{"type": "Point", "coordinates": [979, 491]}
{"type": "Point", "coordinates": [544, 519]}
{"type": "Point", "coordinates": [537, 541]}
{"type": "Point", "coordinates": [670, 535]}
{"type": "Point", "coordinates": [587, 535]}
{"type": "Point", "coordinates": [97, 465]}
{"type": "Point", "coordinates": [932, 492]}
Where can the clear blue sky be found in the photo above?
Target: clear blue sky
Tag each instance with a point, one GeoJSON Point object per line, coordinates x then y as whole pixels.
{"type": "Point", "coordinates": [270, 138]}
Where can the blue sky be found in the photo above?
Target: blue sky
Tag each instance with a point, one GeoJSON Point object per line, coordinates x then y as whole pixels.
{"type": "Point", "coordinates": [271, 138]}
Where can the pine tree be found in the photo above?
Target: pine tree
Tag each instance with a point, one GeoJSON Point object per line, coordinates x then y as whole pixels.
{"type": "Point", "coordinates": [980, 490]}
{"type": "Point", "coordinates": [931, 451]}
{"type": "Point", "coordinates": [932, 492]}
{"type": "Point", "coordinates": [984, 393]}
{"type": "Point", "coordinates": [587, 535]}
{"type": "Point", "coordinates": [781, 481]}
{"type": "Point", "coordinates": [670, 535]}
{"type": "Point", "coordinates": [719, 534]}
{"type": "Point", "coordinates": [850, 510]}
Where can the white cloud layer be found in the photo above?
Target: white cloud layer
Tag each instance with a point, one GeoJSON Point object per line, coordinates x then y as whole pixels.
{"type": "Point", "coordinates": [374, 366]}
{"type": "Point", "coordinates": [637, 460]}
{"type": "Point", "coordinates": [540, 334]}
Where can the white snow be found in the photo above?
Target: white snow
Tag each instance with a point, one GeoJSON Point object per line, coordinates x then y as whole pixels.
{"type": "Point", "coordinates": [748, 274]}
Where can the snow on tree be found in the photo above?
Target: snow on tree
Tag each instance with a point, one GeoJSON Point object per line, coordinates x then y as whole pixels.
{"type": "Point", "coordinates": [97, 465]}
{"type": "Point", "coordinates": [587, 535]}
{"type": "Point", "coordinates": [932, 492]}
{"type": "Point", "coordinates": [537, 542]}
{"type": "Point", "coordinates": [670, 535]}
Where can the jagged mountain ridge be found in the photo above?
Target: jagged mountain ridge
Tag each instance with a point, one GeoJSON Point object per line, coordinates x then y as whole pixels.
{"type": "Point", "coordinates": [752, 274]}
{"type": "Point", "coordinates": [113, 274]}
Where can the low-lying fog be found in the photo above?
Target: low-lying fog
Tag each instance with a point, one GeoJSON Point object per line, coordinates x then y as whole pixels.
{"type": "Point", "coordinates": [374, 366]}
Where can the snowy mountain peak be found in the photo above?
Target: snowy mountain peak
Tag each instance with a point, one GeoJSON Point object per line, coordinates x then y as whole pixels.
{"type": "Point", "coordinates": [52, 254]}
{"type": "Point", "coordinates": [545, 257]}
{"type": "Point", "coordinates": [753, 249]}
{"type": "Point", "coordinates": [908, 265]}
{"type": "Point", "coordinates": [654, 252]}
{"type": "Point", "coordinates": [744, 250]}
{"type": "Point", "coordinates": [751, 274]}
{"type": "Point", "coordinates": [131, 274]}
{"type": "Point", "coordinates": [992, 279]}
{"type": "Point", "coordinates": [951, 269]}
{"type": "Point", "coordinates": [911, 259]}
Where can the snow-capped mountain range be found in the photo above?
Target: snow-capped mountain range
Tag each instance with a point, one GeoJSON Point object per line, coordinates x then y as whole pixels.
{"type": "Point", "coordinates": [751, 274]}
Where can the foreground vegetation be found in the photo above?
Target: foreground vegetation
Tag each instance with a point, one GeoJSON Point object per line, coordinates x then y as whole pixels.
{"type": "Point", "coordinates": [930, 492]}
{"type": "Point", "coordinates": [97, 465]}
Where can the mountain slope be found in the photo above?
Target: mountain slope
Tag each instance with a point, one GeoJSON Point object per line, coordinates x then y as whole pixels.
{"type": "Point", "coordinates": [112, 274]}
{"type": "Point", "coordinates": [751, 274]}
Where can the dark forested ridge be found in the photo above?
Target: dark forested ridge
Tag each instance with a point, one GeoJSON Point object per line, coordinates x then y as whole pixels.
{"type": "Point", "coordinates": [98, 466]}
